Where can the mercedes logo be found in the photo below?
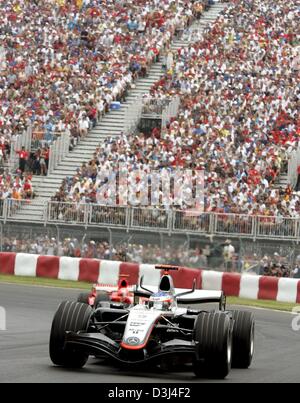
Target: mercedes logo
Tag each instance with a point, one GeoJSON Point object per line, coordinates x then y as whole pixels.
{"type": "Point", "coordinates": [133, 341]}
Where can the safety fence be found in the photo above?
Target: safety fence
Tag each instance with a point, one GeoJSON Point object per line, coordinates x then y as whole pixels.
{"type": "Point", "coordinates": [158, 219]}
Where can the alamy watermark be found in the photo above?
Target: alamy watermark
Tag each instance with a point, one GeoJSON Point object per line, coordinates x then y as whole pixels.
{"type": "Point", "coordinates": [2, 319]}
{"type": "Point", "coordinates": [296, 319]}
{"type": "Point", "coordinates": [141, 187]}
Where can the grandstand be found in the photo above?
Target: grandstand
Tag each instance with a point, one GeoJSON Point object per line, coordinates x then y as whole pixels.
{"type": "Point", "coordinates": [219, 92]}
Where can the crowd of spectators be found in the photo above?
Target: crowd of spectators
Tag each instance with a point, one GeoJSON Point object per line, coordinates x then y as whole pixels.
{"type": "Point", "coordinates": [239, 117]}
{"type": "Point", "coordinates": [63, 62]}
{"type": "Point", "coordinates": [263, 261]}
{"type": "Point", "coordinates": [17, 187]}
{"type": "Point", "coordinates": [213, 256]}
{"type": "Point", "coordinates": [276, 266]}
{"type": "Point", "coordinates": [72, 247]}
{"type": "Point", "coordinates": [240, 107]}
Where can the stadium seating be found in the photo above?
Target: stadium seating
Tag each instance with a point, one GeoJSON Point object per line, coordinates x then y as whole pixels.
{"type": "Point", "coordinates": [239, 117]}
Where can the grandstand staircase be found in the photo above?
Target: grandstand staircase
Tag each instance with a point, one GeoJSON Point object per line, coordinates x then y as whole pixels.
{"type": "Point", "coordinates": [282, 182]}
{"type": "Point", "coordinates": [112, 124]}
{"type": "Point", "coordinates": [4, 166]}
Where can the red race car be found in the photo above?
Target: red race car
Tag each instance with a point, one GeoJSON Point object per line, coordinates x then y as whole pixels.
{"type": "Point", "coordinates": [122, 293]}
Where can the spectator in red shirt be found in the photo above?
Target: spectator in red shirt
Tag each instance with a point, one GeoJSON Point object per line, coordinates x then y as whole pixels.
{"type": "Point", "coordinates": [23, 157]}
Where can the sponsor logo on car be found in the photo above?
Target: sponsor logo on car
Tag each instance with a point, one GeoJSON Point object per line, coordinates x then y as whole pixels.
{"type": "Point", "coordinates": [133, 341]}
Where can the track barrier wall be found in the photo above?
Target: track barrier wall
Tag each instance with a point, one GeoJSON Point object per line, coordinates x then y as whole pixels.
{"type": "Point", "coordinates": [109, 272]}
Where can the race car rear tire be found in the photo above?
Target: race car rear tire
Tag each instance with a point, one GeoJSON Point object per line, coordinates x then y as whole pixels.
{"type": "Point", "coordinates": [242, 339]}
{"type": "Point", "coordinates": [102, 296]}
{"type": "Point", "coordinates": [213, 337]}
{"type": "Point", "coordinates": [70, 316]}
{"type": "Point", "coordinates": [83, 298]}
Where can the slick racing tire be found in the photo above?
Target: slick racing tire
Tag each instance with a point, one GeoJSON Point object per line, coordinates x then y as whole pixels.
{"type": "Point", "coordinates": [102, 296]}
{"type": "Point", "coordinates": [242, 339]}
{"type": "Point", "coordinates": [83, 298]}
{"type": "Point", "coordinates": [70, 316]}
{"type": "Point", "coordinates": [213, 337]}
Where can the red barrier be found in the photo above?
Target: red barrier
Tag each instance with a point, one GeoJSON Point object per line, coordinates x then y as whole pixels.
{"type": "Point", "coordinates": [7, 263]}
{"type": "Point", "coordinates": [298, 293]}
{"type": "Point", "coordinates": [89, 270]}
{"type": "Point", "coordinates": [268, 288]}
{"type": "Point", "coordinates": [47, 266]}
{"type": "Point", "coordinates": [231, 284]}
{"type": "Point", "coordinates": [184, 278]}
{"type": "Point", "coordinates": [132, 270]}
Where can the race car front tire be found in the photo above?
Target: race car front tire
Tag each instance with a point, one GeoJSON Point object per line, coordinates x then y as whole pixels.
{"type": "Point", "coordinates": [70, 316]}
{"type": "Point", "coordinates": [213, 338]}
{"type": "Point", "coordinates": [242, 339]}
{"type": "Point", "coordinates": [83, 298]}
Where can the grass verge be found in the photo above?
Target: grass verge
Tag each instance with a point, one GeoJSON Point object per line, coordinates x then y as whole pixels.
{"type": "Point", "coordinates": [44, 282]}
{"type": "Point", "coordinates": [274, 305]}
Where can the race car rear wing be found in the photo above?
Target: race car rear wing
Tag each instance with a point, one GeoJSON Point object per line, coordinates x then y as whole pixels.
{"type": "Point", "coordinates": [183, 295]}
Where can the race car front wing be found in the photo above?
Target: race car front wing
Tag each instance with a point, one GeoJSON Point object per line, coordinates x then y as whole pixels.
{"type": "Point", "coordinates": [98, 344]}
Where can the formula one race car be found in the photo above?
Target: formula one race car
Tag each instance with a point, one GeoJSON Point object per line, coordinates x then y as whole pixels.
{"type": "Point", "coordinates": [157, 331]}
{"type": "Point", "coordinates": [123, 293]}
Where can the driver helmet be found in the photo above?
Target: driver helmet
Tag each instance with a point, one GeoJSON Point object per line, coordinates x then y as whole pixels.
{"type": "Point", "coordinates": [161, 301]}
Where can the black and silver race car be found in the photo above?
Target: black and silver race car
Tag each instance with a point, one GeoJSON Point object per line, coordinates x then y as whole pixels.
{"type": "Point", "coordinates": [161, 329]}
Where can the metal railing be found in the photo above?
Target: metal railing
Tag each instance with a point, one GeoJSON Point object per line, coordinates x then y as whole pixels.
{"type": "Point", "coordinates": [164, 109]}
{"type": "Point", "coordinates": [72, 213]}
{"type": "Point", "coordinates": [294, 162]}
{"type": "Point", "coordinates": [154, 106]}
{"type": "Point", "coordinates": [108, 216]}
{"type": "Point", "coordinates": [171, 111]}
{"type": "Point", "coordinates": [150, 218]}
{"type": "Point", "coordinates": [227, 224]}
{"type": "Point", "coordinates": [155, 219]}
{"type": "Point", "coordinates": [2, 208]}
{"type": "Point", "coordinates": [268, 227]}
{"type": "Point", "coordinates": [58, 151]}
{"type": "Point", "coordinates": [133, 114]}
{"type": "Point", "coordinates": [13, 207]}
{"type": "Point", "coordinates": [193, 34]}
{"type": "Point", "coordinates": [182, 222]}
{"type": "Point", "coordinates": [17, 142]}
{"type": "Point", "coordinates": [160, 220]}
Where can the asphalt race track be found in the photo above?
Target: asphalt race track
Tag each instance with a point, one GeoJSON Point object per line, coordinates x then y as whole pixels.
{"type": "Point", "coordinates": [24, 346]}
